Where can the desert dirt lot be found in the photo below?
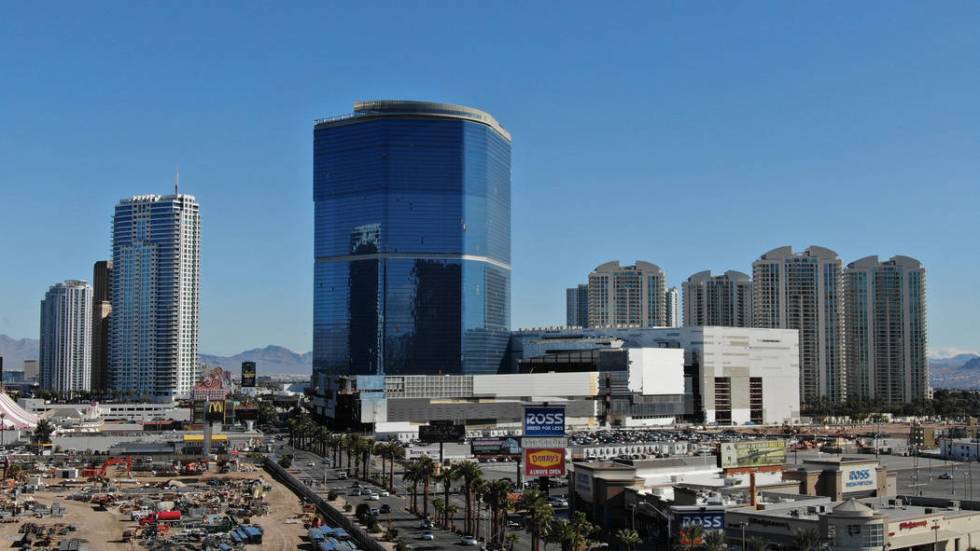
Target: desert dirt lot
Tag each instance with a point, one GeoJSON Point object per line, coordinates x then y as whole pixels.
{"type": "Point", "coordinates": [103, 529]}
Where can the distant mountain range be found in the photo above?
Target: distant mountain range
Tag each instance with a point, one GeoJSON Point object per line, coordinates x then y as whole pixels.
{"type": "Point", "coordinates": [959, 370]}
{"type": "Point", "coordinates": [271, 360]}
{"type": "Point", "coordinates": [15, 351]}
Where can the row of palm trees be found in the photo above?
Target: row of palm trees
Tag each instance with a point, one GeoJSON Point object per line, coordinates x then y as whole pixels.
{"type": "Point", "coordinates": [475, 489]}
{"type": "Point", "coordinates": [306, 434]}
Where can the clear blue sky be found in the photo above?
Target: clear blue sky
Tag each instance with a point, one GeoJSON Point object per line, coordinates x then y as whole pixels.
{"type": "Point", "coordinates": [696, 135]}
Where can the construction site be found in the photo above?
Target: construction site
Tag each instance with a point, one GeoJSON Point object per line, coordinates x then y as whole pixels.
{"type": "Point", "coordinates": [157, 503]}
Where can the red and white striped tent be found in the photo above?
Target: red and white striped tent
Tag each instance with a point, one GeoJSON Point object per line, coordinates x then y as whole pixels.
{"type": "Point", "coordinates": [15, 416]}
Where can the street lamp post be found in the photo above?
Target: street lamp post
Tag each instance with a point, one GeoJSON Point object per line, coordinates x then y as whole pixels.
{"type": "Point", "coordinates": [3, 430]}
{"type": "Point", "coordinates": [743, 525]}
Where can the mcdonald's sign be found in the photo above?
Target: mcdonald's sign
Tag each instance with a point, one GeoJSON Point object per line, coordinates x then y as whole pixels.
{"type": "Point", "coordinates": [215, 412]}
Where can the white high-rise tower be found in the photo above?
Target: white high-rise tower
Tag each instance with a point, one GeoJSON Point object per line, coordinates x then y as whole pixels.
{"type": "Point", "coordinates": [65, 354]}
{"type": "Point", "coordinates": [156, 251]}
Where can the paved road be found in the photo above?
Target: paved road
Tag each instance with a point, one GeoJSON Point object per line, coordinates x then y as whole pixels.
{"type": "Point", "coordinates": [323, 478]}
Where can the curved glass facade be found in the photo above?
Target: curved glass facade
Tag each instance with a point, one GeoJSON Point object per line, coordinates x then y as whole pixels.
{"type": "Point", "coordinates": [412, 244]}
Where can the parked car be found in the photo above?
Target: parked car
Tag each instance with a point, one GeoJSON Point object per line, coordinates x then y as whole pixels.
{"type": "Point", "coordinates": [374, 497]}
{"type": "Point", "coordinates": [945, 476]}
{"type": "Point", "coordinates": [385, 508]}
{"type": "Point", "coordinates": [355, 492]}
{"type": "Point", "coordinates": [469, 540]}
{"type": "Point", "coordinates": [428, 536]}
{"type": "Point", "coordinates": [385, 493]}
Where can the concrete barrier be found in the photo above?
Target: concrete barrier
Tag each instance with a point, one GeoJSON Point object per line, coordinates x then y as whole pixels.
{"type": "Point", "coordinates": [337, 518]}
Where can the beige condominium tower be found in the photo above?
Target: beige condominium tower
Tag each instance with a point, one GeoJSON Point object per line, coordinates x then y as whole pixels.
{"type": "Point", "coordinates": [804, 291]}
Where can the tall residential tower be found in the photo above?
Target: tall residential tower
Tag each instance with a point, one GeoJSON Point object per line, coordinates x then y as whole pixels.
{"type": "Point", "coordinates": [156, 266]}
{"type": "Point", "coordinates": [718, 301]}
{"type": "Point", "coordinates": [412, 243]}
{"type": "Point", "coordinates": [804, 291]}
{"type": "Point", "coordinates": [65, 349]}
{"type": "Point", "coordinates": [577, 306]}
{"type": "Point", "coordinates": [101, 312]}
{"type": "Point", "coordinates": [627, 296]}
{"type": "Point", "coordinates": [673, 300]}
{"type": "Point", "coordinates": [885, 305]}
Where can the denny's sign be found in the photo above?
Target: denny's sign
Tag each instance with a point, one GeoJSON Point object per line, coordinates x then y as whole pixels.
{"type": "Point", "coordinates": [544, 462]}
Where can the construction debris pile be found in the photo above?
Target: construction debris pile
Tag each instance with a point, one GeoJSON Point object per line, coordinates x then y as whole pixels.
{"type": "Point", "coordinates": [176, 514]}
{"type": "Point", "coordinates": [198, 511]}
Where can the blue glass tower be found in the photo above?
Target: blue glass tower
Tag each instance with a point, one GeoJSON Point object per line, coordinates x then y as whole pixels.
{"type": "Point", "coordinates": [412, 244]}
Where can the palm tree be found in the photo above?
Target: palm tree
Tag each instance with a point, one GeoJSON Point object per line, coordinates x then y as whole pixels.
{"type": "Point", "coordinates": [628, 538]}
{"type": "Point", "coordinates": [564, 534]}
{"type": "Point", "coordinates": [397, 453]}
{"type": "Point", "coordinates": [691, 537]}
{"type": "Point", "coordinates": [540, 515]}
{"type": "Point", "coordinates": [350, 442]}
{"type": "Point", "coordinates": [411, 474]}
{"type": "Point", "coordinates": [479, 486]}
{"type": "Point", "coordinates": [511, 540]}
{"type": "Point", "coordinates": [439, 506]}
{"type": "Point", "coordinates": [497, 496]}
{"type": "Point", "coordinates": [451, 511]}
{"type": "Point", "coordinates": [755, 544]}
{"type": "Point", "coordinates": [470, 472]}
{"type": "Point", "coordinates": [446, 478]}
{"type": "Point", "coordinates": [714, 540]}
{"type": "Point", "coordinates": [809, 539]}
{"type": "Point", "coordinates": [427, 469]}
{"type": "Point", "coordinates": [584, 530]}
{"type": "Point", "coordinates": [365, 447]}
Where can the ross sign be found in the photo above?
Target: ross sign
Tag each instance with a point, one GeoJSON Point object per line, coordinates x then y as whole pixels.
{"type": "Point", "coordinates": [215, 412]}
{"type": "Point", "coordinates": [495, 446]}
{"type": "Point", "coordinates": [544, 421]}
{"type": "Point", "coordinates": [544, 462]}
{"type": "Point", "coordinates": [859, 479]}
{"type": "Point", "coordinates": [248, 374]}
{"type": "Point", "coordinates": [752, 453]}
{"type": "Point", "coordinates": [708, 520]}
{"type": "Point", "coordinates": [434, 433]}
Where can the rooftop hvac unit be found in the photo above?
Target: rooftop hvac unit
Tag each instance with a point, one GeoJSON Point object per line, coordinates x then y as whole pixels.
{"type": "Point", "coordinates": [732, 482]}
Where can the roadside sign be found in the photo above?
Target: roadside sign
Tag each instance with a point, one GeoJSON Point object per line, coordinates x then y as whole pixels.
{"type": "Point", "coordinates": [431, 434]}
{"type": "Point", "coordinates": [544, 421]}
{"type": "Point", "coordinates": [544, 442]}
{"type": "Point", "coordinates": [544, 462]}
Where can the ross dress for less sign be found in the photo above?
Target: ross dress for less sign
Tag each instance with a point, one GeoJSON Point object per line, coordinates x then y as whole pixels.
{"type": "Point", "coordinates": [544, 421]}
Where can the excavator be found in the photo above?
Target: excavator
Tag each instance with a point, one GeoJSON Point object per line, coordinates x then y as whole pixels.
{"type": "Point", "coordinates": [99, 473]}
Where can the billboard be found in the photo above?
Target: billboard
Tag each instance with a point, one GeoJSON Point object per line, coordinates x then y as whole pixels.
{"type": "Point", "coordinates": [248, 374]}
{"type": "Point", "coordinates": [215, 412]}
{"type": "Point", "coordinates": [859, 478]}
{"type": "Point", "coordinates": [495, 446]}
{"type": "Point", "coordinates": [544, 421]}
{"type": "Point", "coordinates": [434, 433]}
{"type": "Point", "coordinates": [544, 462]}
{"type": "Point", "coordinates": [213, 384]}
{"type": "Point", "coordinates": [753, 453]}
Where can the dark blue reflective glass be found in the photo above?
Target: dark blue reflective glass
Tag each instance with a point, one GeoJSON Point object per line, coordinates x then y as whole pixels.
{"type": "Point", "coordinates": [426, 203]}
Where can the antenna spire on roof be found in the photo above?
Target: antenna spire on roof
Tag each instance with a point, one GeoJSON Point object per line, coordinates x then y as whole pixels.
{"type": "Point", "coordinates": [177, 183]}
